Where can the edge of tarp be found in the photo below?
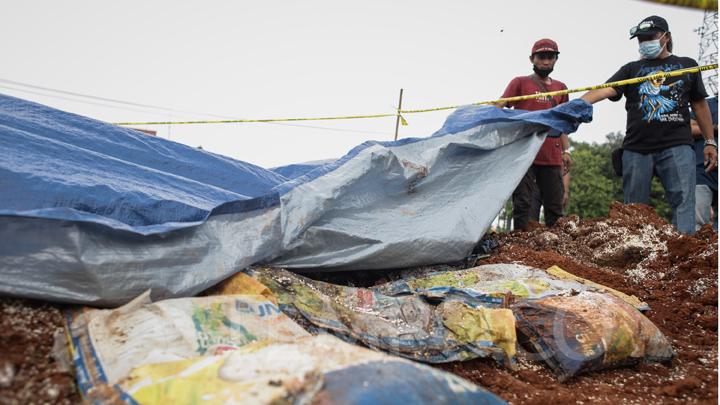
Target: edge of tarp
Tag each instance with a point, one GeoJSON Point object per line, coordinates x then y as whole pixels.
{"type": "Point", "coordinates": [563, 118]}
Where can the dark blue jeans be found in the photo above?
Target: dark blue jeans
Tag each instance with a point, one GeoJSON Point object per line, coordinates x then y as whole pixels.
{"type": "Point", "coordinates": [676, 169]}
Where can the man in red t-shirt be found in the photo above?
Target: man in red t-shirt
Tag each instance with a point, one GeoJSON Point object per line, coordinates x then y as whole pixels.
{"type": "Point", "coordinates": [544, 179]}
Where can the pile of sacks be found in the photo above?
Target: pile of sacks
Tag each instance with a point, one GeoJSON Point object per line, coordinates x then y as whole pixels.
{"type": "Point", "coordinates": [270, 335]}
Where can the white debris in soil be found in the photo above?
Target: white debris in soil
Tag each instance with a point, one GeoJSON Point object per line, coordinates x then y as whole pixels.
{"type": "Point", "coordinates": [548, 237]}
{"type": "Point", "coordinates": [669, 231]}
{"type": "Point", "coordinates": [523, 363]}
{"type": "Point", "coordinates": [677, 374]}
{"type": "Point", "coordinates": [619, 243]}
{"type": "Point", "coordinates": [647, 241]}
{"type": "Point", "coordinates": [638, 274]}
{"type": "Point", "coordinates": [53, 392]}
{"type": "Point", "coordinates": [571, 225]}
{"type": "Point", "coordinates": [17, 315]}
{"type": "Point", "coordinates": [711, 251]}
{"type": "Point", "coordinates": [7, 373]}
{"type": "Point", "coordinates": [641, 273]}
{"type": "Point", "coordinates": [700, 285]}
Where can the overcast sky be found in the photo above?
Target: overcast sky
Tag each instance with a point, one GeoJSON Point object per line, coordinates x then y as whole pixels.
{"type": "Point", "coordinates": [267, 59]}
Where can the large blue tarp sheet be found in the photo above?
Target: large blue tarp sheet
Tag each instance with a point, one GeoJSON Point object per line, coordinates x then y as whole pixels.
{"type": "Point", "coordinates": [94, 213]}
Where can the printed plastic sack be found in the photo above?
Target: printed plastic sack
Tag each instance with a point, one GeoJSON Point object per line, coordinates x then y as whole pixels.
{"type": "Point", "coordinates": [408, 325]}
{"type": "Point", "coordinates": [490, 285]}
{"type": "Point", "coordinates": [588, 331]}
{"type": "Point", "coordinates": [318, 369]}
{"type": "Point", "coordinates": [107, 344]}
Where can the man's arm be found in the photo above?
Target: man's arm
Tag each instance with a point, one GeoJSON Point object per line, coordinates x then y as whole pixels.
{"type": "Point", "coordinates": [593, 96]}
{"type": "Point", "coordinates": [566, 189]}
{"type": "Point", "coordinates": [695, 129]}
{"type": "Point", "coordinates": [704, 120]}
{"type": "Point", "coordinates": [512, 89]}
{"type": "Point", "coordinates": [567, 161]}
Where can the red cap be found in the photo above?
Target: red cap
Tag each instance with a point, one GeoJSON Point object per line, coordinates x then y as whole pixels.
{"type": "Point", "coordinates": [545, 45]}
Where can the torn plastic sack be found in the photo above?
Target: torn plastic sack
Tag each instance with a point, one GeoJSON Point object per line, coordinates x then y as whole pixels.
{"type": "Point", "coordinates": [490, 285]}
{"type": "Point", "coordinates": [93, 213]}
{"type": "Point", "coordinates": [317, 369]}
{"type": "Point", "coordinates": [589, 331]}
{"type": "Point", "coordinates": [407, 326]}
{"type": "Point", "coordinates": [107, 344]}
{"type": "Point", "coordinates": [239, 349]}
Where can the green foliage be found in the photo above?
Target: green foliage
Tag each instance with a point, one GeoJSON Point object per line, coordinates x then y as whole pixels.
{"type": "Point", "coordinates": [591, 189]}
{"type": "Point", "coordinates": [505, 217]}
{"type": "Point", "coordinates": [593, 183]}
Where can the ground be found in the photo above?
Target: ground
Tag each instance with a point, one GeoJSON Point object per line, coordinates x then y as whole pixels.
{"type": "Point", "coordinates": [632, 250]}
{"type": "Point", "coordinates": [28, 372]}
{"type": "Point", "coordinates": [636, 252]}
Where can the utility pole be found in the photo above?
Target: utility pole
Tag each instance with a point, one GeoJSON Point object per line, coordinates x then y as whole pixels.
{"type": "Point", "coordinates": [708, 33]}
{"type": "Point", "coordinates": [397, 120]}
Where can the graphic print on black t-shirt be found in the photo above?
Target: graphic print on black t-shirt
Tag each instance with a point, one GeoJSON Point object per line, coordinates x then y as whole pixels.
{"type": "Point", "coordinates": [660, 99]}
{"type": "Point", "coordinates": [659, 102]}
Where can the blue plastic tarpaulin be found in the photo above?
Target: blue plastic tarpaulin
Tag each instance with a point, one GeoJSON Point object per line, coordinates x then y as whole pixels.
{"type": "Point", "coordinates": [94, 213]}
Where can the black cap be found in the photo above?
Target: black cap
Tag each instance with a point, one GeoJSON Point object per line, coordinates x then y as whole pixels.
{"type": "Point", "coordinates": [649, 26]}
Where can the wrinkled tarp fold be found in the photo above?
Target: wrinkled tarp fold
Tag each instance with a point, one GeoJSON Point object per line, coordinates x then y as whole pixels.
{"type": "Point", "coordinates": [94, 213]}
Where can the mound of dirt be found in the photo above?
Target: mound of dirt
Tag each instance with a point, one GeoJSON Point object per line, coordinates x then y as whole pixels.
{"type": "Point", "coordinates": [634, 251]}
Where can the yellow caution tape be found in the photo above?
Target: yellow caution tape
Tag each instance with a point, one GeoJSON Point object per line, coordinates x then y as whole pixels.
{"type": "Point", "coordinates": [625, 82]}
{"type": "Point", "coordinates": [710, 5]}
{"type": "Point", "coordinates": [635, 80]}
{"type": "Point", "coordinates": [346, 117]}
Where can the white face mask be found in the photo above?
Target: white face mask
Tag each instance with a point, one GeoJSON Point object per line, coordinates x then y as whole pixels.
{"type": "Point", "coordinates": [651, 49]}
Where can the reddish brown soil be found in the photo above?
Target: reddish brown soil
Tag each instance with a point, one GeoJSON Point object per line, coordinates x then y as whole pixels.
{"type": "Point", "coordinates": [632, 250]}
{"type": "Point", "coordinates": [679, 283]}
{"type": "Point", "coordinates": [28, 372]}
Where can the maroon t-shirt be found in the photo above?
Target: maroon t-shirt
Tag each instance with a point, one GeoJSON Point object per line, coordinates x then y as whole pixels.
{"type": "Point", "coordinates": [550, 153]}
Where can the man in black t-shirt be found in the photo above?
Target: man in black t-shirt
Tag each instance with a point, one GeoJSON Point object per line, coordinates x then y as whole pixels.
{"type": "Point", "coordinates": [657, 138]}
